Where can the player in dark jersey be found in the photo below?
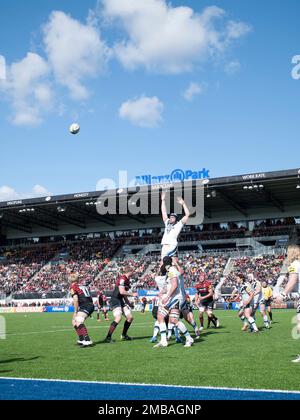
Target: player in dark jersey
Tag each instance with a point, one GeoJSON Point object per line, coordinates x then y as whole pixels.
{"type": "Point", "coordinates": [144, 304]}
{"type": "Point", "coordinates": [205, 301]}
{"type": "Point", "coordinates": [120, 305]}
{"type": "Point", "coordinates": [83, 308]}
{"type": "Point", "coordinates": [99, 305]}
{"type": "Point", "coordinates": [102, 306]}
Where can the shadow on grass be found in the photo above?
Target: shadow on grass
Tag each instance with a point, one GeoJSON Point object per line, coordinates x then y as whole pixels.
{"type": "Point", "coordinates": [18, 359]}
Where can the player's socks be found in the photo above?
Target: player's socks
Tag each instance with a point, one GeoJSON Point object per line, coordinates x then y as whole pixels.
{"type": "Point", "coordinates": [194, 325]}
{"type": "Point", "coordinates": [82, 331]}
{"type": "Point", "coordinates": [271, 316]}
{"type": "Point", "coordinates": [126, 328]}
{"type": "Point", "coordinates": [112, 328]}
{"type": "Point", "coordinates": [81, 337]}
{"type": "Point", "coordinates": [266, 321]}
{"type": "Point", "coordinates": [213, 319]}
{"type": "Point", "coordinates": [156, 329]}
{"type": "Point", "coordinates": [243, 318]}
{"type": "Point", "coordinates": [253, 325]}
{"type": "Point", "coordinates": [163, 333]}
{"type": "Point", "coordinates": [182, 328]}
{"type": "Point", "coordinates": [176, 332]}
{"type": "Point", "coordinates": [201, 322]}
{"type": "Point", "coordinates": [170, 330]}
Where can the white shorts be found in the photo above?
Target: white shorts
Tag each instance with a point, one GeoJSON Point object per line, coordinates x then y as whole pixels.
{"type": "Point", "coordinates": [168, 251]}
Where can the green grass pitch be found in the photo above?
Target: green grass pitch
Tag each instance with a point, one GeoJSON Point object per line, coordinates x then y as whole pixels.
{"type": "Point", "coordinates": [43, 346]}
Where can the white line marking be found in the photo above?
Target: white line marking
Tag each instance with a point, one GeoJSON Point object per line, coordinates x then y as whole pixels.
{"type": "Point", "coordinates": [153, 385]}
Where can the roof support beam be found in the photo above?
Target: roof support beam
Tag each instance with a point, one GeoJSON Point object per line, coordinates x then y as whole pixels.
{"type": "Point", "coordinates": [96, 216]}
{"type": "Point", "coordinates": [233, 203]}
{"type": "Point", "coordinates": [65, 218]}
{"type": "Point", "coordinates": [272, 199]}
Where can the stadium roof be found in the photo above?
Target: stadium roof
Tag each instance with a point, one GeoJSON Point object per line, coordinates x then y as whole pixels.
{"type": "Point", "coordinates": [234, 198]}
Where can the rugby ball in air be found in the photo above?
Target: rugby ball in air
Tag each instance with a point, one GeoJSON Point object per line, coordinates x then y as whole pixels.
{"type": "Point", "coordinates": [74, 128]}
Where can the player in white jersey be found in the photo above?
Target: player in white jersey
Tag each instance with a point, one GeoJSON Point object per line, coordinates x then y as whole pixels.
{"type": "Point", "coordinates": [293, 258]}
{"type": "Point", "coordinates": [171, 301]}
{"type": "Point", "coordinates": [258, 300]}
{"type": "Point", "coordinates": [161, 284]}
{"type": "Point", "coordinates": [185, 309]}
{"type": "Point", "coordinates": [246, 294]}
{"type": "Point", "coordinates": [173, 227]}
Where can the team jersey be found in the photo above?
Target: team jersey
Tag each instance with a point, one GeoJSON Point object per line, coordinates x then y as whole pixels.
{"type": "Point", "coordinates": [244, 291]}
{"type": "Point", "coordinates": [100, 299]}
{"type": "Point", "coordinates": [294, 268]}
{"type": "Point", "coordinates": [171, 233]}
{"type": "Point", "coordinates": [255, 285]}
{"type": "Point", "coordinates": [177, 294]}
{"type": "Point", "coordinates": [181, 284]}
{"type": "Point", "coordinates": [267, 292]}
{"type": "Point", "coordinates": [121, 281]}
{"type": "Point", "coordinates": [161, 284]}
{"type": "Point", "coordinates": [83, 293]}
{"type": "Point", "coordinates": [203, 288]}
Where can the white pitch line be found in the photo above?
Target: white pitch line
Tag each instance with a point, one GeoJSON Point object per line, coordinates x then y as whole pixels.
{"type": "Point", "coordinates": [155, 385]}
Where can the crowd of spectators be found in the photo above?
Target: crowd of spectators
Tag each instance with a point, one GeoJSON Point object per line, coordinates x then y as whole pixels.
{"type": "Point", "coordinates": [264, 267]}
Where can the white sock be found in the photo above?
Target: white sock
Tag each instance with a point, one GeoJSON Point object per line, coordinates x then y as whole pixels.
{"type": "Point", "coordinates": [163, 332]}
{"type": "Point", "coordinates": [170, 329]}
{"type": "Point", "coordinates": [182, 328]}
{"type": "Point", "coordinates": [252, 323]}
{"type": "Point", "coordinates": [156, 329]}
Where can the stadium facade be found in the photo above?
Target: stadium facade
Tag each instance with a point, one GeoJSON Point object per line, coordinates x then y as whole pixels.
{"type": "Point", "coordinates": [244, 198]}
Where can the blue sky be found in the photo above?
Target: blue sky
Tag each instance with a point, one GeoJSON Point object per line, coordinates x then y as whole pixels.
{"type": "Point", "coordinates": [216, 93]}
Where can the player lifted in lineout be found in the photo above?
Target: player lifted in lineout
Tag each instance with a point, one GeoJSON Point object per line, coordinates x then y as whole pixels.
{"type": "Point", "coordinates": [121, 305]}
{"type": "Point", "coordinates": [83, 308]}
{"type": "Point", "coordinates": [173, 227]}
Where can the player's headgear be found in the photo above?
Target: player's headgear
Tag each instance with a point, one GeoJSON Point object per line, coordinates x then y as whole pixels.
{"type": "Point", "coordinates": [174, 215]}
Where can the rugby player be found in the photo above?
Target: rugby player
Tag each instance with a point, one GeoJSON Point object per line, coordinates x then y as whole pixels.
{"type": "Point", "coordinates": [267, 302]}
{"type": "Point", "coordinates": [83, 308]}
{"type": "Point", "coordinates": [205, 301]}
{"type": "Point", "coordinates": [121, 306]}
{"type": "Point", "coordinates": [173, 227]}
{"type": "Point", "coordinates": [171, 301]}
{"type": "Point", "coordinates": [161, 284]}
{"type": "Point", "coordinates": [246, 293]}
{"type": "Point", "coordinates": [258, 301]}
{"type": "Point", "coordinates": [293, 257]}
{"type": "Point", "coordinates": [102, 306]}
{"type": "Point", "coordinates": [99, 304]}
{"type": "Point", "coordinates": [186, 310]}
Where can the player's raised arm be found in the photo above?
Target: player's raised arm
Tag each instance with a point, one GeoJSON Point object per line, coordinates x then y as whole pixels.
{"type": "Point", "coordinates": [186, 210]}
{"type": "Point", "coordinates": [164, 207]}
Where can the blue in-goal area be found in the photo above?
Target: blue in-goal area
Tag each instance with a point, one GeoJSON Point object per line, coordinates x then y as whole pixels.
{"type": "Point", "coordinates": [31, 389]}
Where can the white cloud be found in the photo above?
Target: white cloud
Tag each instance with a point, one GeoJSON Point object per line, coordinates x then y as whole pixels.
{"type": "Point", "coordinates": [169, 39]}
{"type": "Point", "coordinates": [8, 193]}
{"type": "Point", "coordinates": [233, 67]}
{"type": "Point", "coordinates": [143, 112]}
{"type": "Point", "coordinates": [27, 89]}
{"type": "Point", "coordinates": [193, 90]}
{"type": "Point", "coordinates": [75, 51]}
